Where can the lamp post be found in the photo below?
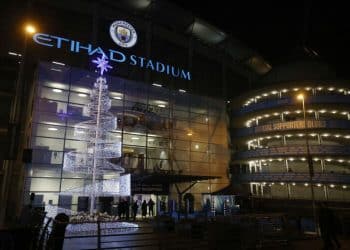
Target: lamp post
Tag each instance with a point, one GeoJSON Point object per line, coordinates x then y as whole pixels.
{"type": "Point", "coordinates": [12, 163]}
{"type": "Point", "coordinates": [301, 97]}
{"type": "Point", "coordinates": [18, 98]}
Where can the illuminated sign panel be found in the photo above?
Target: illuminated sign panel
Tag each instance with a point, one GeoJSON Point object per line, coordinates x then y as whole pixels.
{"type": "Point", "coordinates": [123, 34]}
{"type": "Point", "coordinates": [113, 55]}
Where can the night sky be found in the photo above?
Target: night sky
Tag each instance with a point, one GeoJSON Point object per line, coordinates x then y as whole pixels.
{"type": "Point", "coordinates": [276, 28]}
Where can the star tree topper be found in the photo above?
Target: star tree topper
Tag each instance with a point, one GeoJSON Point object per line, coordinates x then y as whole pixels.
{"type": "Point", "coordinates": [102, 63]}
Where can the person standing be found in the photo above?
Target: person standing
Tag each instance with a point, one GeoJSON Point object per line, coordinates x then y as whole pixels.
{"type": "Point", "coordinates": [144, 208]}
{"type": "Point", "coordinates": [127, 209]}
{"type": "Point", "coordinates": [150, 207]}
{"type": "Point", "coordinates": [328, 226]}
{"type": "Point", "coordinates": [134, 209]}
{"type": "Point", "coordinates": [120, 209]}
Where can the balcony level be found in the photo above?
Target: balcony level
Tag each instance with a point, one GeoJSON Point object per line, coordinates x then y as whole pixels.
{"type": "Point", "coordinates": [318, 178]}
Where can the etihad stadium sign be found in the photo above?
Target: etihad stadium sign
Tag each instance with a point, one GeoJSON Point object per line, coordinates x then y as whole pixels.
{"type": "Point", "coordinates": [123, 38]}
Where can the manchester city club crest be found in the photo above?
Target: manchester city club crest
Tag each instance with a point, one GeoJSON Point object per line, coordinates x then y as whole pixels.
{"type": "Point", "coordinates": [123, 34]}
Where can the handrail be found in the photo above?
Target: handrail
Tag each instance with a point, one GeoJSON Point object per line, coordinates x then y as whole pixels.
{"type": "Point", "coordinates": [295, 177]}
{"type": "Point", "coordinates": [291, 125]}
{"type": "Point", "coordinates": [293, 150]}
{"type": "Point", "coordinates": [288, 101]}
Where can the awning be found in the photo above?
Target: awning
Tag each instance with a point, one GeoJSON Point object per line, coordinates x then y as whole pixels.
{"type": "Point", "coordinates": [168, 178]}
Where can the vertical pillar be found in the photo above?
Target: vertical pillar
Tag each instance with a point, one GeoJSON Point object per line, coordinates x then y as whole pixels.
{"type": "Point", "coordinates": [251, 188]}
{"type": "Point", "coordinates": [289, 191]}
{"type": "Point", "coordinates": [286, 165]}
{"type": "Point", "coordinates": [149, 32]}
{"type": "Point", "coordinates": [224, 77]}
{"type": "Point", "coordinates": [325, 189]}
{"type": "Point", "coordinates": [322, 165]}
{"type": "Point", "coordinates": [191, 84]}
{"type": "Point", "coordinates": [317, 115]}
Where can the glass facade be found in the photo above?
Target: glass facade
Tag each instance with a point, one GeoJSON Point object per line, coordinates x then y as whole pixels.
{"type": "Point", "coordinates": [161, 130]}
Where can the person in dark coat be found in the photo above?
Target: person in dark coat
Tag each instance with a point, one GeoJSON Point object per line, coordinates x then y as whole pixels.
{"type": "Point", "coordinates": [134, 209]}
{"type": "Point", "coordinates": [328, 226]}
{"type": "Point", "coordinates": [127, 210]}
{"type": "Point", "coordinates": [150, 207]}
{"type": "Point", "coordinates": [144, 208]}
{"type": "Point", "coordinates": [120, 209]}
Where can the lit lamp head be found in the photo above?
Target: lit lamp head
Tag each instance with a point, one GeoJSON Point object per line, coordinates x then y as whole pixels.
{"type": "Point", "coordinates": [300, 97]}
{"type": "Point", "coordinates": [30, 29]}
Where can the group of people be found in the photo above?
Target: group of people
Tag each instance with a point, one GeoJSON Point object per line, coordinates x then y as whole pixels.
{"type": "Point", "coordinates": [124, 209]}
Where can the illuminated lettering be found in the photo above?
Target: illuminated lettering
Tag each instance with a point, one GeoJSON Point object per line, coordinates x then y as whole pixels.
{"type": "Point", "coordinates": [59, 41]}
{"type": "Point", "coordinates": [97, 50]}
{"type": "Point", "coordinates": [158, 65]}
{"type": "Point", "coordinates": [113, 55]}
{"type": "Point", "coordinates": [120, 54]}
{"type": "Point", "coordinates": [142, 59]}
{"type": "Point", "coordinates": [172, 72]}
{"type": "Point", "coordinates": [78, 47]}
{"type": "Point", "coordinates": [133, 60]}
{"type": "Point", "coordinates": [149, 65]}
{"type": "Point", "coordinates": [185, 75]}
{"type": "Point", "coordinates": [41, 38]}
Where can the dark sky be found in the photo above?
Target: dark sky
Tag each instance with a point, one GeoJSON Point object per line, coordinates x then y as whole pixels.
{"type": "Point", "coordinates": [276, 28]}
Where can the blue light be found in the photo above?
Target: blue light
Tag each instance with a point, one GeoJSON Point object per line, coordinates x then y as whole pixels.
{"type": "Point", "coordinates": [102, 63]}
{"type": "Point", "coordinates": [112, 55]}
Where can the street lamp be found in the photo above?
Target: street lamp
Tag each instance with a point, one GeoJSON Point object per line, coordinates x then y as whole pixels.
{"type": "Point", "coordinates": [301, 97]}
{"type": "Point", "coordinates": [16, 143]}
{"type": "Point", "coordinates": [30, 29]}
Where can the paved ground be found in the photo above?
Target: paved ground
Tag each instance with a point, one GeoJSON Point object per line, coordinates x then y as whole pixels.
{"type": "Point", "coordinates": [146, 238]}
{"type": "Point", "coordinates": [317, 244]}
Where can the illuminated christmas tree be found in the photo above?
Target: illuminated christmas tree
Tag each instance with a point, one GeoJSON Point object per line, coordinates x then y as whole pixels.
{"type": "Point", "coordinates": [99, 145]}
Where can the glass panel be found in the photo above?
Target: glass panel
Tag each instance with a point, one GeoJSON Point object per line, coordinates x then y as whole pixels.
{"type": "Point", "coordinates": [53, 94]}
{"type": "Point", "coordinates": [45, 156]}
{"type": "Point", "coordinates": [47, 143]}
{"type": "Point", "coordinates": [199, 147]}
{"type": "Point", "coordinates": [184, 145]}
{"type": "Point", "coordinates": [79, 97]}
{"type": "Point", "coordinates": [44, 185]}
{"type": "Point", "coordinates": [199, 104]}
{"type": "Point", "coordinates": [44, 170]}
{"type": "Point", "coordinates": [49, 118]}
{"type": "Point", "coordinates": [51, 106]}
{"type": "Point", "coordinates": [48, 130]}
{"type": "Point", "coordinates": [136, 92]}
{"type": "Point", "coordinates": [180, 155]}
{"type": "Point", "coordinates": [197, 156]}
{"type": "Point", "coordinates": [134, 139]}
{"type": "Point", "coordinates": [158, 142]}
{"type": "Point", "coordinates": [74, 145]}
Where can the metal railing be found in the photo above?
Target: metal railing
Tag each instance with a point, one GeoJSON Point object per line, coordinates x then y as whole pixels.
{"type": "Point", "coordinates": [293, 150]}
{"type": "Point", "coordinates": [295, 177]}
{"type": "Point", "coordinates": [291, 125]}
{"type": "Point", "coordinates": [288, 101]}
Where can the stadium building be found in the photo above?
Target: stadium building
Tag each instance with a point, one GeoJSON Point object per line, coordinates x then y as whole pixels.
{"type": "Point", "coordinates": [291, 138]}
{"type": "Point", "coordinates": [169, 86]}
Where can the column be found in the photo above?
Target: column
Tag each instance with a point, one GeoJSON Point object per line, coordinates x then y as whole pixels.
{"type": "Point", "coordinates": [286, 165]}
{"type": "Point", "coordinates": [325, 189]}
{"type": "Point", "coordinates": [289, 191]}
{"type": "Point", "coordinates": [322, 165]}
